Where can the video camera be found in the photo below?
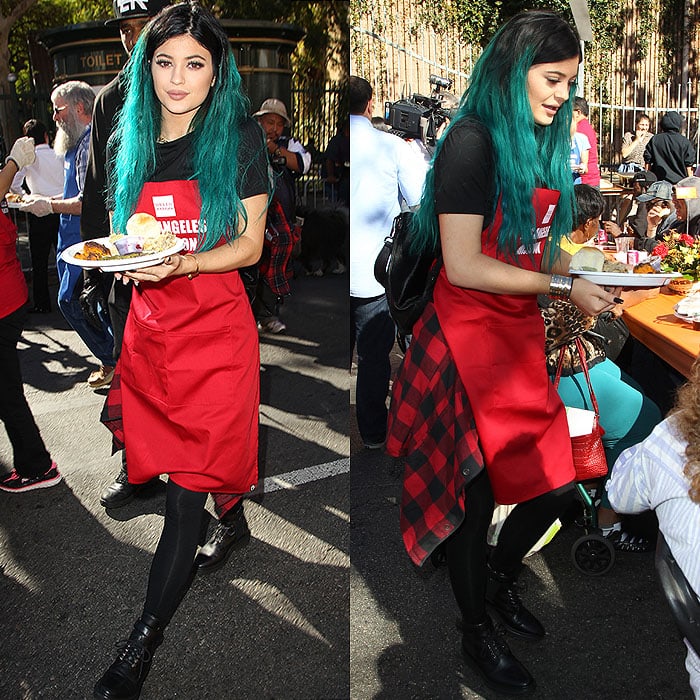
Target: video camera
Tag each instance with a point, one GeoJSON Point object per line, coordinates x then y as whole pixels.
{"type": "Point", "coordinates": [420, 116]}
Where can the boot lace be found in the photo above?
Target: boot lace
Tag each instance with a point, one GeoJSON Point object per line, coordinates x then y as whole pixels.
{"type": "Point", "coordinates": [493, 645]}
{"type": "Point", "coordinates": [133, 654]}
{"type": "Point", "coordinates": [222, 532]}
{"type": "Point", "coordinates": [510, 594]}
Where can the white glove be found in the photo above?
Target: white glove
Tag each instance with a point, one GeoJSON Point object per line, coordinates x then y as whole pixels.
{"type": "Point", "coordinates": [22, 152]}
{"type": "Point", "coordinates": [39, 206]}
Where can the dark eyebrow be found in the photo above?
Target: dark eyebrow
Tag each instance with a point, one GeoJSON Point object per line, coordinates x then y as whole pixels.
{"type": "Point", "coordinates": [187, 58]}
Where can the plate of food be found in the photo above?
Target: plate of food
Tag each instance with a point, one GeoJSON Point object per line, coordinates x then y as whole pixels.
{"type": "Point", "coordinates": [688, 308]}
{"type": "Point", "coordinates": [13, 200]}
{"type": "Point", "coordinates": [144, 244]}
{"type": "Point", "coordinates": [591, 264]}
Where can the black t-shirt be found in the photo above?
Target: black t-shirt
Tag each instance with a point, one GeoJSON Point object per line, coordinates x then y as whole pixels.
{"type": "Point", "coordinates": [174, 160]}
{"type": "Point", "coordinates": [465, 176]}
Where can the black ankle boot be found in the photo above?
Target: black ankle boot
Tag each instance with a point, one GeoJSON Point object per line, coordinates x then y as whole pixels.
{"type": "Point", "coordinates": [503, 595]}
{"type": "Point", "coordinates": [487, 653]}
{"type": "Point", "coordinates": [120, 491]}
{"type": "Point", "coordinates": [231, 533]}
{"type": "Point", "coordinates": [124, 678]}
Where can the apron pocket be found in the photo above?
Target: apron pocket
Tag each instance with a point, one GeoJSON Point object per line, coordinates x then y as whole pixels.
{"type": "Point", "coordinates": [517, 363]}
{"type": "Point", "coordinates": [142, 362]}
{"type": "Point", "coordinates": [200, 368]}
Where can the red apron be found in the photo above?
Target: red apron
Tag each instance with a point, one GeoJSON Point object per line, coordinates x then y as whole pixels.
{"type": "Point", "coordinates": [497, 342]}
{"type": "Point", "coordinates": [13, 286]}
{"type": "Point", "coordinates": [190, 367]}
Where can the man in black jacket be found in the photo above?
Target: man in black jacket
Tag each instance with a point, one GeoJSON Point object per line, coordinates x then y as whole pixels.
{"type": "Point", "coordinates": [669, 154]}
{"type": "Point", "coordinates": [99, 288]}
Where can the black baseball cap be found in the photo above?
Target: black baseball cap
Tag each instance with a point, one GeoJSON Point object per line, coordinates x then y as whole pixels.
{"type": "Point", "coordinates": [135, 9]}
{"type": "Point", "coordinates": [644, 178]}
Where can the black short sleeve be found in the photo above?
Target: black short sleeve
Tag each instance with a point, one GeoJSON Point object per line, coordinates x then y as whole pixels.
{"type": "Point", "coordinates": [253, 162]}
{"type": "Point", "coordinates": [174, 160]}
{"type": "Point", "coordinates": [465, 172]}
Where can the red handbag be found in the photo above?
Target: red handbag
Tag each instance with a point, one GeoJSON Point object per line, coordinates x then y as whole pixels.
{"type": "Point", "coordinates": [588, 450]}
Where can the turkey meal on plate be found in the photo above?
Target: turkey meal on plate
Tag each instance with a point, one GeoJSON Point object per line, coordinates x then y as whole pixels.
{"type": "Point", "coordinates": [143, 236]}
{"type": "Point", "coordinates": [589, 259]}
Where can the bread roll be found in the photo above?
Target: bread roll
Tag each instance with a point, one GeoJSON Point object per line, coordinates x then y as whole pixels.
{"type": "Point", "coordinates": [588, 258]}
{"type": "Point", "coordinates": [142, 224]}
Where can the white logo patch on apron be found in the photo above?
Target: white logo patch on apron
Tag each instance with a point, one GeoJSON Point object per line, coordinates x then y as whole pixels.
{"type": "Point", "coordinates": [164, 205]}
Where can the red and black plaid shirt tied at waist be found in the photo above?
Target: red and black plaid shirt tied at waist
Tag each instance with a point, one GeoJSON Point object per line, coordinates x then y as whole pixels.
{"type": "Point", "coordinates": [432, 427]}
{"type": "Point", "coordinates": [111, 415]}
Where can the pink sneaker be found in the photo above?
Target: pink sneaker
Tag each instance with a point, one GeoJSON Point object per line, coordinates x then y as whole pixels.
{"type": "Point", "coordinates": [14, 483]}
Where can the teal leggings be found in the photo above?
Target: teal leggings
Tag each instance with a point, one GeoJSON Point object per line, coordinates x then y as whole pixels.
{"type": "Point", "coordinates": [626, 414]}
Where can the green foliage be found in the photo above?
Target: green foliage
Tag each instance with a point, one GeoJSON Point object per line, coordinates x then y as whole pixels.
{"type": "Point", "coordinates": [324, 50]}
{"type": "Point", "coordinates": [646, 25]}
{"type": "Point", "coordinates": [607, 21]}
{"type": "Point", "coordinates": [46, 14]}
{"type": "Point", "coordinates": [475, 20]}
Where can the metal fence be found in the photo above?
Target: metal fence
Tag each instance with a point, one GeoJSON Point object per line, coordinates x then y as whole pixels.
{"type": "Point", "coordinates": [611, 121]}
{"type": "Point", "coordinates": [397, 60]}
{"type": "Point", "coordinates": [386, 50]}
{"type": "Point", "coordinates": [319, 110]}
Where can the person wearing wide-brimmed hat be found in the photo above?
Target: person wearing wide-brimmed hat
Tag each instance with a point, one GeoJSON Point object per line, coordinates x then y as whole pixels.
{"type": "Point", "coordinates": [289, 159]}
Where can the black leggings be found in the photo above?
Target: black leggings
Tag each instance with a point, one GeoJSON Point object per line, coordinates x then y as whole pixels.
{"type": "Point", "coordinates": [172, 564]}
{"type": "Point", "coordinates": [466, 548]}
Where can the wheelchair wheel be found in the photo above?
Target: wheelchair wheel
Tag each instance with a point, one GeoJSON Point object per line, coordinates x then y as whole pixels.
{"type": "Point", "coordinates": [593, 555]}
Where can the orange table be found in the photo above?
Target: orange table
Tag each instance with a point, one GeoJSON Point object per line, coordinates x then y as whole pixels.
{"type": "Point", "coordinates": [653, 323]}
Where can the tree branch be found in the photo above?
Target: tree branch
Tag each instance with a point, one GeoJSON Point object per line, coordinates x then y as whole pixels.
{"type": "Point", "coordinates": [17, 12]}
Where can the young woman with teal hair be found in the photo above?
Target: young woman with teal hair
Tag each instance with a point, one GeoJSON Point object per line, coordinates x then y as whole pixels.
{"type": "Point", "coordinates": [187, 384]}
{"type": "Point", "coordinates": [473, 410]}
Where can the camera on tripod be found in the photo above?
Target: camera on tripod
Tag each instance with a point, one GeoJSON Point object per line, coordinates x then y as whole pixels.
{"type": "Point", "coordinates": [421, 116]}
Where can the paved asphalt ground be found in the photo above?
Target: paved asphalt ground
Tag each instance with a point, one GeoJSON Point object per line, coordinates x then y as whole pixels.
{"type": "Point", "coordinates": [608, 638]}
{"type": "Point", "coordinates": [271, 624]}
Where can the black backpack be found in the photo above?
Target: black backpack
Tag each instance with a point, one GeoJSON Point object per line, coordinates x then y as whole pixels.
{"type": "Point", "coordinates": [407, 277]}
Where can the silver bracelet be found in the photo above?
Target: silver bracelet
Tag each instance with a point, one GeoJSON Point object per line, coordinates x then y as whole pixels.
{"type": "Point", "coordinates": [560, 287]}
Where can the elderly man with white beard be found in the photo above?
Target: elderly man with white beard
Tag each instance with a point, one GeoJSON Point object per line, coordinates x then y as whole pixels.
{"type": "Point", "coordinates": [72, 111]}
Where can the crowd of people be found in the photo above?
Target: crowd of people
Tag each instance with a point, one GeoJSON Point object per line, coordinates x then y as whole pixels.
{"type": "Point", "coordinates": [476, 413]}
{"type": "Point", "coordinates": [172, 136]}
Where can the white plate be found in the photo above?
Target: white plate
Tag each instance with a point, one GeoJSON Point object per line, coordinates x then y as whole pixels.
{"type": "Point", "coordinates": [626, 279]}
{"type": "Point", "coordinates": [690, 302]}
{"type": "Point", "coordinates": [119, 264]}
{"type": "Point", "coordinates": [13, 205]}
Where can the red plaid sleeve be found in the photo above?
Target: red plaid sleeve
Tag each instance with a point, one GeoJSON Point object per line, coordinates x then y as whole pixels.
{"type": "Point", "coordinates": [277, 250]}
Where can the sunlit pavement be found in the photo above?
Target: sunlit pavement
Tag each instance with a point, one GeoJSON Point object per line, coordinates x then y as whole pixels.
{"type": "Point", "coordinates": [272, 623]}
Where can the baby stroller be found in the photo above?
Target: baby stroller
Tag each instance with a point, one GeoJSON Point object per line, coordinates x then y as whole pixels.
{"type": "Point", "coordinates": [592, 554]}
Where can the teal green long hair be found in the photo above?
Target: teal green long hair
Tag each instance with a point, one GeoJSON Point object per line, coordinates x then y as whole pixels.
{"type": "Point", "coordinates": [216, 128]}
{"type": "Point", "coordinates": [526, 155]}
